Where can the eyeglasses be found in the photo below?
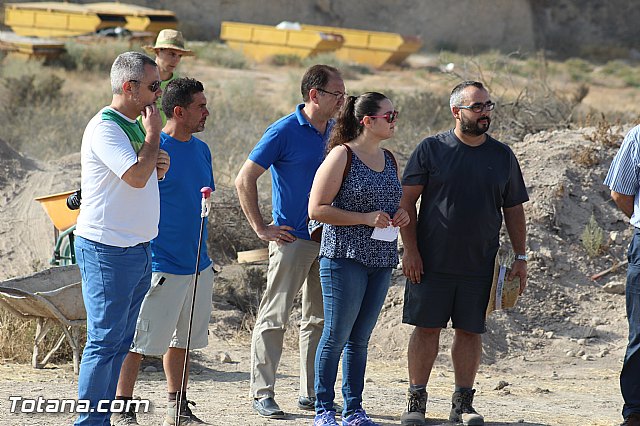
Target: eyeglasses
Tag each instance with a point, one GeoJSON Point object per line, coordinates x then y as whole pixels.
{"type": "Point", "coordinates": [479, 107]}
{"type": "Point", "coordinates": [338, 95]}
{"type": "Point", "coordinates": [390, 116]}
{"type": "Point", "coordinates": [152, 87]}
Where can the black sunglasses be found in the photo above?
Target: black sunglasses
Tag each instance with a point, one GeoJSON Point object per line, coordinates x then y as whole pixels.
{"type": "Point", "coordinates": [390, 116]}
{"type": "Point", "coordinates": [152, 87]}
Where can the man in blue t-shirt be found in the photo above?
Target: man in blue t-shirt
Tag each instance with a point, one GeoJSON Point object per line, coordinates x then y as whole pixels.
{"type": "Point", "coordinates": [163, 321]}
{"type": "Point", "coordinates": [292, 148]}
{"type": "Point", "coordinates": [466, 182]}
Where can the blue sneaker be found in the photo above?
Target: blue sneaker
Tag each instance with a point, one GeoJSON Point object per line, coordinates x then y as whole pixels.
{"type": "Point", "coordinates": [358, 418]}
{"type": "Point", "coordinates": [326, 418]}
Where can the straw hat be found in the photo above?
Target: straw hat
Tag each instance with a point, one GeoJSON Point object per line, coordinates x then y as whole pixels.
{"type": "Point", "coordinates": [169, 39]}
{"type": "Point", "coordinates": [504, 293]}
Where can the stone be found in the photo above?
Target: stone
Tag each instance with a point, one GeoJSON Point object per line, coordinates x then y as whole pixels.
{"type": "Point", "coordinates": [225, 358]}
{"type": "Point", "coordinates": [614, 287]}
{"type": "Point", "coordinates": [150, 369]}
{"type": "Point", "coordinates": [501, 385]}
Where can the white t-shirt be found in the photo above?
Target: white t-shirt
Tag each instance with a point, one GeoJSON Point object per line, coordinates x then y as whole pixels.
{"type": "Point", "coordinates": [113, 212]}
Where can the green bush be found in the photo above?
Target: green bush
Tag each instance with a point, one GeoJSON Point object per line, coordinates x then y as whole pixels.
{"type": "Point", "coordinates": [282, 60]}
{"type": "Point", "coordinates": [219, 55]}
{"type": "Point", "coordinates": [593, 238]}
{"type": "Point", "coordinates": [37, 116]}
{"type": "Point", "coordinates": [349, 71]}
{"type": "Point", "coordinates": [94, 57]}
{"type": "Point", "coordinates": [578, 69]}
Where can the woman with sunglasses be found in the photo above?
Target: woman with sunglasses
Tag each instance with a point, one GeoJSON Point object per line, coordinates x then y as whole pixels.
{"type": "Point", "coordinates": [356, 194]}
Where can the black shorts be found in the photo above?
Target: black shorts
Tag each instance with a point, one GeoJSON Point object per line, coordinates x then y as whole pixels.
{"type": "Point", "coordinates": [441, 297]}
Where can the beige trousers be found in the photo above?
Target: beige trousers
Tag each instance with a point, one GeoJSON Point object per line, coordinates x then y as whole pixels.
{"type": "Point", "coordinates": [292, 266]}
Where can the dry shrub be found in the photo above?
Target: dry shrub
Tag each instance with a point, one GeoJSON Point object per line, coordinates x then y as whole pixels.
{"type": "Point", "coordinates": [17, 338]}
{"type": "Point", "coordinates": [535, 107]}
{"type": "Point", "coordinates": [422, 114]}
{"type": "Point", "coordinates": [237, 121]}
{"type": "Point", "coordinates": [228, 230]}
{"type": "Point", "coordinates": [244, 294]}
{"type": "Point", "coordinates": [586, 156]}
{"type": "Point", "coordinates": [37, 116]}
{"type": "Point", "coordinates": [605, 134]}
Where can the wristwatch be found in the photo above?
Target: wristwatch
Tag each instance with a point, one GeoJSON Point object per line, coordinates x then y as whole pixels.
{"type": "Point", "coordinates": [522, 257]}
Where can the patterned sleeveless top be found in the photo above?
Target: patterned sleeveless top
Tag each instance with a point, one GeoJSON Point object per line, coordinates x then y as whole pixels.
{"type": "Point", "coordinates": [364, 190]}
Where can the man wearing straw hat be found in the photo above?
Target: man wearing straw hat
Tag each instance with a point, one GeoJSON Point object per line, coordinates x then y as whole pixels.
{"type": "Point", "coordinates": [466, 181]}
{"type": "Point", "coordinates": [169, 50]}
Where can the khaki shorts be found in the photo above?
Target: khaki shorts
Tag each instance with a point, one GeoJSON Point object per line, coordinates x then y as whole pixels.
{"type": "Point", "coordinates": [163, 321]}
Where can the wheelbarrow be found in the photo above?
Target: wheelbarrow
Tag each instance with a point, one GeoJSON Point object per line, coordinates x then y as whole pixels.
{"type": "Point", "coordinates": [50, 296]}
{"type": "Point", "coordinates": [64, 223]}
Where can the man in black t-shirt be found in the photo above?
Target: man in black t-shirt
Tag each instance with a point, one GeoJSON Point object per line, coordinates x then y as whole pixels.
{"type": "Point", "coordinates": [466, 181]}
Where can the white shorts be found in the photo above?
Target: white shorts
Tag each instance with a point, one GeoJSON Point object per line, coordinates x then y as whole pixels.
{"type": "Point", "coordinates": [163, 321]}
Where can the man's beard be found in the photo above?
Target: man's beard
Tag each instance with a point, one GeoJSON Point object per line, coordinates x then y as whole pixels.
{"type": "Point", "coordinates": [472, 128]}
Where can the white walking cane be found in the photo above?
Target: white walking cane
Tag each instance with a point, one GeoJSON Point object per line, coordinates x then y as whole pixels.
{"type": "Point", "coordinates": [204, 212]}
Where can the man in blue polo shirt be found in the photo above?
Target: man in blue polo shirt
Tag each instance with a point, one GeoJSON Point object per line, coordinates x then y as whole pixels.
{"type": "Point", "coordinates": [292, 148]}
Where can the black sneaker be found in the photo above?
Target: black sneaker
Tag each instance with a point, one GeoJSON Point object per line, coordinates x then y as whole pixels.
{"type": "Point", "coordinates": [462, 410]}
{"type": "Point", "coordinates": [416, 408]}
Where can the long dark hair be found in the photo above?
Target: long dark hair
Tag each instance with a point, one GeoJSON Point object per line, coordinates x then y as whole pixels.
{"type": "Point", "coordinates": [349, 121]}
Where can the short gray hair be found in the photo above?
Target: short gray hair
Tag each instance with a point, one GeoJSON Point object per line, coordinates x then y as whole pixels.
{"type": "Point", "coordinates": [128, 66]}
{"type": "Point", "coordinates": [456, 98]}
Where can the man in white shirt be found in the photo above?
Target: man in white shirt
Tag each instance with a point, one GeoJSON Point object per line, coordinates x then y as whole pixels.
{"type": "Point", "coordinates": [121, 165]}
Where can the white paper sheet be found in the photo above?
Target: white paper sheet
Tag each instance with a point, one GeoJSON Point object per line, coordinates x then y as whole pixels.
{"type": "Point", "coordinates": [390, 233]}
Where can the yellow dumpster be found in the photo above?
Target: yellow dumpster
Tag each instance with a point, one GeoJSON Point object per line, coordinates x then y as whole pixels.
{"type": "Point", "coordinates": [139, 18]}
{"type": "Point", "coordinates": [30, 46]}
{"type": "Point", "coordinates": [372, 48]}
{"type": "Point", "coordinates": [259, 42]}
{"type": "Point", "coordinates": [53, 19]}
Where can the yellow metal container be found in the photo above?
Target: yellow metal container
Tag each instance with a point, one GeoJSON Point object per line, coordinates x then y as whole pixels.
{"type": "Point", "coordinates": [260, 42]}
{"type": "Point", "coordinates": [139, 18]}
{"type": "Point", "coordinates": [56, 207]}
{"type": "Point", "coordinates": [53, 19]}
{"type": "Point", "coordinates": [30, 46]}
{"type": "Point", "coordinates": [372, 48]}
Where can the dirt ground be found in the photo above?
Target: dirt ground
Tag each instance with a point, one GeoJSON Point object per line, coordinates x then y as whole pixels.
{"type": "Point", "coordinates": [545, 387]}
{"type": "Point", "coordinates": [552, 360]}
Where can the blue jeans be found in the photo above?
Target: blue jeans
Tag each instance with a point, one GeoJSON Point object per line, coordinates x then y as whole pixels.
{"type": "Point", "coordinates": [353, 295]}
{"type": "Point", "coordinates": [630, 375]}
{"type": "Point", "coordinates": [114, 283]}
